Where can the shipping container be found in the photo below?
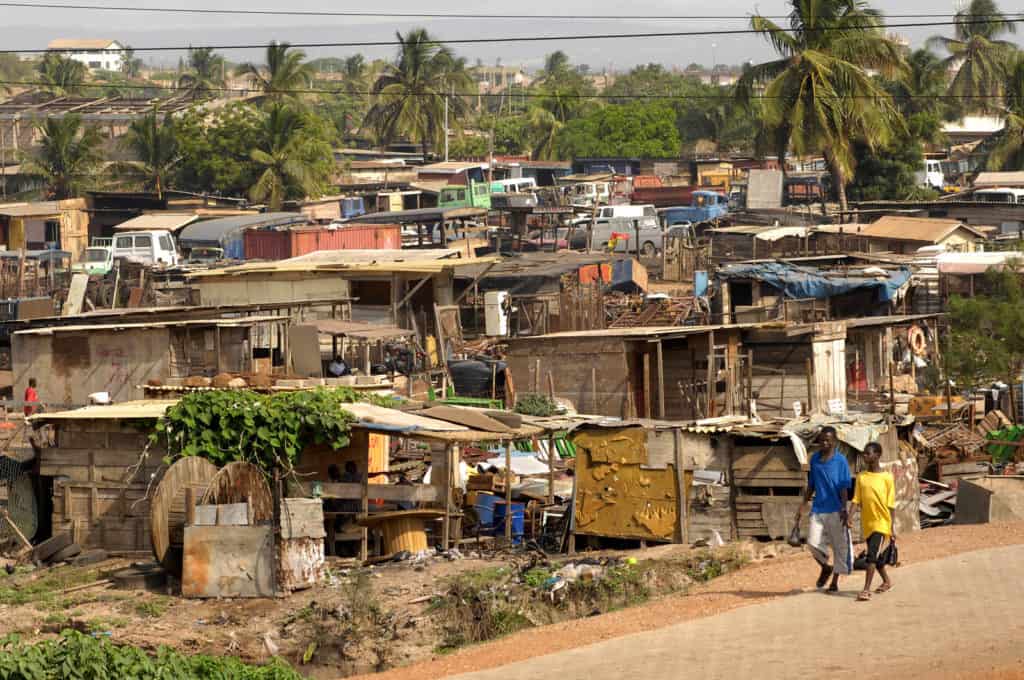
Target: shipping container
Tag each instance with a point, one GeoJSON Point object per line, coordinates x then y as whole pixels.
{"type": "Point", "coordinates": [274, 244]}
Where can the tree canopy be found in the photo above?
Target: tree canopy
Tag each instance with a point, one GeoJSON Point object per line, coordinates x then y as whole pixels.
{"type": "Point", "coordinates": [644, 129]}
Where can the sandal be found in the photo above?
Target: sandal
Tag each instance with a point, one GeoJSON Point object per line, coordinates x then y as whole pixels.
{"type": "Point", "coordinates": [864, 596]}
{"type": "Point", "coordinates": [884, 588]}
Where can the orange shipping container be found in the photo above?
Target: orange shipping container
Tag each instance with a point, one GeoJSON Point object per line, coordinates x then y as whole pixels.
{"type": "Point", "coordinates": [280, 244]}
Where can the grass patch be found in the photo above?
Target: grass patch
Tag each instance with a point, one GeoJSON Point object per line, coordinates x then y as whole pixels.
{"type": "Point", "coordinates": [44, 590]}
{"type": "Point", "coordinates": [152, 609]}
{"type": "Point", "coordinates": [105, 624]}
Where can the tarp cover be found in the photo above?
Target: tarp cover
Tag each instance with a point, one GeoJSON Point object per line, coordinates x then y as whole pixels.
{"type": "Point", "coordinates": [805, 282]}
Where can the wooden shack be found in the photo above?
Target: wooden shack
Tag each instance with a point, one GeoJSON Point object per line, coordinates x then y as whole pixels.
{"type": "Point", "coordinates": [72, 362]}
{"type": "Point", "coordinates": [97, 472]}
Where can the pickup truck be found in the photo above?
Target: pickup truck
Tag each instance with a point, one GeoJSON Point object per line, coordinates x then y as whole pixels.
{"type": "Point", "coordinates": [705, 206]}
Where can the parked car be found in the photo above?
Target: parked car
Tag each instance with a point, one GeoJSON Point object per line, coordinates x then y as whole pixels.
{"type": "Point", "coordinates": [149, 247]}
{"type": "Point", "coordinates": [96, 260]}
{"type": "Point", "coordinates": [476, 195]}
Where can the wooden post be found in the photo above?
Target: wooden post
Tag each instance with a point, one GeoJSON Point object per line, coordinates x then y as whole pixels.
{"type": "Point", "coordinates": [494, 380]}
{"type": "Point", "coordinates": [892, 389]}
{"type": "Point", "coordinates": [190, 506]}
{"type": "Point", "coordinates": [810, 385]}
{"type": "Point", "coordinates": [750, 378]}
{"type": "Point", "coordinates": [647, 385]}
{"type": "Point", "coordinates": [536, 377]}
{"type": "Point", "coordinates": [447, 522]}
{"type": "Point", "coordinates": [364, 509]}
{"type": "Point", "coordinates": [508, 491]}
{"type": "Point", "coordinates": [551, 386]}
{"type": "Point", "coordinates": [216, 342]}
{"type": "Point", "coordinates": [683, 511]}
{"type": "Point", "coordinates": [551, 469]}
{"type": "Point", "coordinates": [593, 388]}
{"type": "Point", "coordinates": [661, 382]}
{"type": "Point", "coordinates": [710, 413]}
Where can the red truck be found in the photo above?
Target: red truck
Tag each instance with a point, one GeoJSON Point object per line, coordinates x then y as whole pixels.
{"type": "Point", "coordinates": [650, 190]}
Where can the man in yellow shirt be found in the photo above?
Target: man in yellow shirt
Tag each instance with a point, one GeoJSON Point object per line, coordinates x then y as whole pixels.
{"type": "Point", "coordinates": [875, 493]}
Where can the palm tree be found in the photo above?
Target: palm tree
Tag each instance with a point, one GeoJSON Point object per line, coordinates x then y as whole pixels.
{"type": "Point", "coordinates": [411, 92]}
{"type": "Point", "coordinates": [820, 87]}
{"type": "Point", "coordinates": [61, 76]}
{"type": "Point", "coordinates": [67, 157]}
{"type": "Point", "coordinates": [155, 148]}
{"type": "Point", "coordinates": [542, 129]}
{"type": "Point", "coordinates": [280, 158]}
{"type": "Point", "coordinates": [205, 74]}
{"type": "Point", "coordinates": [1006, 147]}
{"type": "Point", "coordinates": [354, 70]}
{"type": "Point", "coordinates": [981, 60]}
{"type": "Point", "coordinates": [555, 64]}
{"type": "Point", "coordinates": [285, 72]}
{"type": "Point", "coordinates": [131, 65]}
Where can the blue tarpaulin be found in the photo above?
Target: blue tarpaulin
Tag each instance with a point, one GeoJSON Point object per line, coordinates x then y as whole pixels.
{"type": "Point", "coordinates": [805, 282]}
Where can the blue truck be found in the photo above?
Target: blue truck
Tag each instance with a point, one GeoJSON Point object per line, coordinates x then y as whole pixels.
{"type": "Point", "coordinates": [705, 206]}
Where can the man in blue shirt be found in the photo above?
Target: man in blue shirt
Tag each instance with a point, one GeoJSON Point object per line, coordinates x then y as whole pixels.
{"type": "Point", "coordinates": [828, 483]}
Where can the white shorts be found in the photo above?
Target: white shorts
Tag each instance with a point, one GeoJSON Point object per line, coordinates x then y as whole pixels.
{"type": "Point", "coordinates": [828, 530]}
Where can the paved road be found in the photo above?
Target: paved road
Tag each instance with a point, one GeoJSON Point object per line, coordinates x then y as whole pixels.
{"type": "Point", "coordinates": [945, 617]}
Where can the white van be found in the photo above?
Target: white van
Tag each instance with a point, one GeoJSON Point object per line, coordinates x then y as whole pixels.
{"type": "Point", "coordinates": [999, 195]}
{"type": "Point", "coordinates": [608, 212]}
{"type": "Point", "coordinates": [586, 194]}
{"type": "Point", "coordinates": [150, 247]}
{"type": "Point", "coordinates": [520, 185]}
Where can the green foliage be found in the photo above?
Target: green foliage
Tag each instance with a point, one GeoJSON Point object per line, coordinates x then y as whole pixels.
{"type": "Point", "coordinates": [565, 93]}
{"type": "Point", "coordinates": [986, 339]}
{"type": "Point", "coordinates": [155, 148]}
{"type": "Point", "coordinates": [411, 91]}
{"type": "Point", "coordinates": [68, 156]}
{"type": "Point", "coordinates": [217, 150]}
{"type": "Point", "coordinates": [643, 129]}
{"type": "Point", "coordinates": [205, 73]}
{"type": "Point", "coordinates": [61, 76]}
{"type": "Point", "coordinates": [266, 430]}
{"type": "Point", "coordinates": [887, 173]}
{"type": "Point", "coordinates": [283, 74]}
{"type": "Point", "coordinates": [75, 655]}
{"type": "Point", "coordinates": [531, 404]}
{"type": "Point", "coordinates": [468, 146]}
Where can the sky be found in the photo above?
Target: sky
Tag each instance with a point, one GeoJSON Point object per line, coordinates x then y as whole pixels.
{"type": "Point", "coordinates": [24, 28]}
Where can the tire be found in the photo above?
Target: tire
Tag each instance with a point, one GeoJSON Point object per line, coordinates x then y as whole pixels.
{"type": "Point", "coordinates": [649, 249]}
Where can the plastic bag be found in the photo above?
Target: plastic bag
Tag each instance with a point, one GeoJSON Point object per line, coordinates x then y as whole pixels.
{"type": "Point", "coordinates": [794, 536]}
{"type": "Point", "coordinates": [890, 557]}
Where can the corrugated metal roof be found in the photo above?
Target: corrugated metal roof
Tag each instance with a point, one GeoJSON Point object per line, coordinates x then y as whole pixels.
{"type": "Point", "coordinates": [358, 329]}
{"type": "Point", "coordinates": [646, 331]}
{"type": "Point", "coordinates": [382, 255]}
{"type": "Point", "coordinates": [453, 167]}
{"type": "Point", "coordinates": [168, 221]}
{"type": "Point", "coordinates": [142, 408]}
{"type": "Point", "coordinates": [111, 327]}
{"type": "Point", "coordinates": [999, 179]}
{"type": "Point", "coordinates": [385, 267]}
{"type": "Point", "coordinates": [919, 229]}
{"type": "Point", "coordinates": [39, 209]}
{"type": "Point", "coordinates": [214, 231]}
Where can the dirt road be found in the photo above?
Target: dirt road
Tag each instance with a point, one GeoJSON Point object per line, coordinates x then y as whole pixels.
{"type": "Point", "coordinates": [972, 601]}
{"type": "Point", "coordinates": [956, 612]}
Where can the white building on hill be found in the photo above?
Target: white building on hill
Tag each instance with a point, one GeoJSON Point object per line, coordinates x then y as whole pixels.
{"type": "Point", "coordinates": [97, 54]}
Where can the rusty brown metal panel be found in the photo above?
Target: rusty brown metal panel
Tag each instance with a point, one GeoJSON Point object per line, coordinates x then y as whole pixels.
{"type": "Point", "coordinates": [228, 561]}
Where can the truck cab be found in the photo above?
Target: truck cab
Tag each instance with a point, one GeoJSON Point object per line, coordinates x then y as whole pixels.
{"type": "Point", "coordinates": [475, 195]}
{"type": "Point", "coordinates": [148, 247]}
{"type": "Point", "coordinates": [96, 260]}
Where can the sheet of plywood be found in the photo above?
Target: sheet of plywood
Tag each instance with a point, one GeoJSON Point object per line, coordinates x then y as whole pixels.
{"type": "Point", "coordinates": [76, 295]}
{"type": "Point", "coordinates": [305, 350]}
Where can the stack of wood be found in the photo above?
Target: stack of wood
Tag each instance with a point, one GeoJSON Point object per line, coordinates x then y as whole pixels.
{"type": "Point", "coordinates": [636, 311]}
{"type": "Point", "coordinates": [952, 443]}
{"type": "Point", "coordinates": [993, 422]}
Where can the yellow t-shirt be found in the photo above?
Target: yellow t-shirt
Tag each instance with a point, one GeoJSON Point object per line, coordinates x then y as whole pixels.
{"type": "Point", "coordinates": [876, 495]}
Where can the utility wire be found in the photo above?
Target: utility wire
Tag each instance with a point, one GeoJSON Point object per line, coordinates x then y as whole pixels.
{"type": "Point", "coordinates": [431, 15]}
{"type": "Point", "coordinates": [549, 38]}
{"type": "Point", "coordinates": [470, 95]}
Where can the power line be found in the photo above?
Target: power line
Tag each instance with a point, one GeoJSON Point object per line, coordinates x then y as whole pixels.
{"type": "Point", "coordinates": [547, 38]}
{"type": "Point", "coordinates": [430, 15]}
{"type": "Point", "coordinates": [470, 95]}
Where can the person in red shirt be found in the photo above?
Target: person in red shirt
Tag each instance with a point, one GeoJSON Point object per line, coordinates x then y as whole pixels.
{"type": "Point", "coordinates": [31, 398]}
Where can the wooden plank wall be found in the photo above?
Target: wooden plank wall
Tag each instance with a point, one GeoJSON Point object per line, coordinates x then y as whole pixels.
{"type": "Point", "coordinates": [780, 372]}
{"type": "Point", "coordinates": [768, 479]}
{"type": "Point", "coordinates": [710, 506]}
{"type": "Point", "coordinates": [99, 490]}
{"type": "Point", "coordinates": [574, 363]}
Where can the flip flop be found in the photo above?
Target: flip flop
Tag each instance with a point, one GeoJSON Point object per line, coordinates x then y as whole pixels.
{"type": "Point", "coordinates": [864, 596]}
{"type": "Point", "coordinates": [884, 588]}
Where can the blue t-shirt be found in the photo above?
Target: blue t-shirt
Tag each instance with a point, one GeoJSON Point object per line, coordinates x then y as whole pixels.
{"type": "Point", "coordinates": [827, 479]}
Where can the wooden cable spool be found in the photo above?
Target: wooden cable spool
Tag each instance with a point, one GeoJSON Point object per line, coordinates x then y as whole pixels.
{"type": "Point", "coordinates": [240, 482]}
{"type": "Point", "coordinates": [167, 512]}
